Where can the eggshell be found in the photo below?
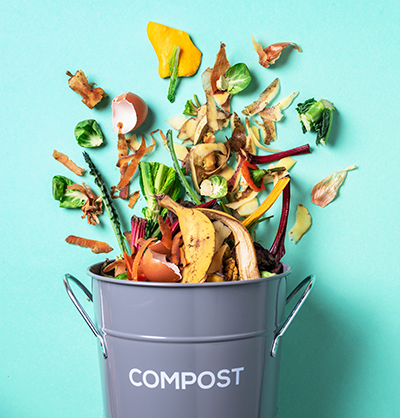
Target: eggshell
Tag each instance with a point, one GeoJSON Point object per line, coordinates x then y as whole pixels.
{"type": "Point", "coordinates": [156, 269]}
{"type": "Point", "coordinates": [159, 247]}
{"type": "Point", "coordinates": [129, 111]}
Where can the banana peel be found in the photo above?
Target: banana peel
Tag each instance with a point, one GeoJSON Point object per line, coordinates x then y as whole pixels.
{"type": "Point", "coordinates": [198, 236]}
{"type": "Point", "coordinates": [246, 258]}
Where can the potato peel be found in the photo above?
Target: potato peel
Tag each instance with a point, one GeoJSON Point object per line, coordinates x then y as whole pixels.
{"type": "Point", "coordinates": [302, 224]}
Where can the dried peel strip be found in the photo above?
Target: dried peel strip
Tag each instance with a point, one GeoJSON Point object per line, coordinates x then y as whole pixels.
{"type": "Point", "coordinates": [133, 165]}
{"type": "Point", "coordinates": [133, 198]}
{"type": "Point", "coordinates": [79, 84]}
{"type": "Point", "coordinates": [97, 247]}
{"type": "Point", "coordinates": [268, 56]}
{"type": "Point", "coordinates": [64, 159]}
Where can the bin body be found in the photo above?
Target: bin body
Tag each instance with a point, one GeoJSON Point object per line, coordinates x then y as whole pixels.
{"type": "Point", "coordinates": [189, 350]}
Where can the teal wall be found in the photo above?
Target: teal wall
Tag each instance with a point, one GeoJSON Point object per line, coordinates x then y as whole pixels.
{"type": "Point", "coordinates": [340, 355]}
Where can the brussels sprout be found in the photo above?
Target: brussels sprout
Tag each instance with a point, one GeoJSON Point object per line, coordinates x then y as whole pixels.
{"type": "Point", "coordinates": [88, 134]}
{"type": "Point", "coordinates": [235, 79]}
{"type": "Point", "coordinates": [214, 187]}
{"type": "Point", "coordinates": [67, 198]}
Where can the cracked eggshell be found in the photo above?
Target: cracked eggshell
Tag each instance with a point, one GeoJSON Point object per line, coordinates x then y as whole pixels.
{"type": "Point", "coordinates": [129, 111]}
{"type": "Point", "coordinates": [157, 269]}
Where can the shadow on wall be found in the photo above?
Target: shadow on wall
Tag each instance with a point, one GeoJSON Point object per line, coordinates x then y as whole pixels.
{"type": "Point", "coordinates": [319, 358]}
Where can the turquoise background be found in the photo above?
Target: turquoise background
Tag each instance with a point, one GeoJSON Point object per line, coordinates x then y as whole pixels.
{"type": "Point", "coordinates": [340, 356]}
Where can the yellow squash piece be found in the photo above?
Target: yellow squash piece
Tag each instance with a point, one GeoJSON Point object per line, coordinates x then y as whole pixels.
{"type": "Point", "coordinates": [163, 39]}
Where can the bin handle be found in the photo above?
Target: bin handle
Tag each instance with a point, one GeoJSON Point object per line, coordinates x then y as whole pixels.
{"type": "Point", "coordinates": [309, 281]}
{"type": "Point", "coordinates": [78, 306]}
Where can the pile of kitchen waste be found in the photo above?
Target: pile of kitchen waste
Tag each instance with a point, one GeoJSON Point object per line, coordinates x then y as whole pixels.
{"type": "Point", "coordinates": [201, 214]}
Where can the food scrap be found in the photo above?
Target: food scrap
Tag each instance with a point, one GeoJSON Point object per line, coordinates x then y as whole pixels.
{"type": "Point", "coordinates": [268, 56]}
{"type": "Point", "coordinates": [133, 198]}
{"type": "Point", "coordinates": [173, 65]}
{"type": "Point", "coordinates": [316, 116]}
{"type": "Point", "coordinates": [129, 111]}
{"type": "Point", "coordinates": [97, 247]}
{"type": "Point", "coordinates": [64, 159]}
{"type": "Point", "coordinates": [163, 38]}
{"type": "Point", "coordinates": [325, 191]}
{"type": "Point", "coordinates": [269, 115]}
{"type": "Point", "coordinates": [201, 214]}
{"type": "Point", "coordinates": [176, 53]}
{"type": "Point", "coordinates": [88, 134]}
{"type": "Point", "coordinates": [93, 205]}
{"type": "Point", "coordinates": [79, 84]}
{"type": "Point", "coordinates": [302, 224]}
{"type": "Point", "coordinates": [68, 197]}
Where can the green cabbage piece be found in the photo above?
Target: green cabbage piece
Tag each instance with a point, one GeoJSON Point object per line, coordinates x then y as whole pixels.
{"type": "Point", "coordinates": [88, 134]}
{"type": "Point", "coordinates": [215, 187]}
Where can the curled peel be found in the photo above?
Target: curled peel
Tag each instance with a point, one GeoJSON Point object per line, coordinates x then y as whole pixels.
{"type": "Point", "coordinates": [268, 56]}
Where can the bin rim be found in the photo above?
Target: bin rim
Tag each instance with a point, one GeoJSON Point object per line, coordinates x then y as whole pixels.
{"type": "Point", "coordinates": [286, 271]}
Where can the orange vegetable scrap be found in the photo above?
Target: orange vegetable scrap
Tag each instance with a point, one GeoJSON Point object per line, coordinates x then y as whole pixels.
{"type": "Point", "coordinates": [163, 39]}
{"type": "Point", "coordinates": [270, 54]}
{"type": "Point", "coordinates": [133, 198]}
{"type": "Point", "coordinates": [97, 247]}
{"type": "Point", "coordinates": [132, 162]}
{"type": "Point", "coordinates": [63, 159]}
{"type": "Point", "coordinates": [79, 84]}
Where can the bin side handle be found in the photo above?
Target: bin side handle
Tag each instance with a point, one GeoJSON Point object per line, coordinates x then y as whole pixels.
{"type": "Point", "coordinates": [309, 283]}
{"type": "Point", "coordinates": [85, 316]}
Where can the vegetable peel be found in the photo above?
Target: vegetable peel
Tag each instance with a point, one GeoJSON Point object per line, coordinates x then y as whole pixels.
{"type": "Point", "coordinates": [325, 191]}
{"type": "Point", "coordinates": [269, 55]}
{"type": "Point", "coordinates": [302, 224]}
{"type": "Point", "coordinates": [79, 84]}
{"type": "Point", "coordinates": [64, 159]}
{"type": "Point", "coordinates": [97, 247]}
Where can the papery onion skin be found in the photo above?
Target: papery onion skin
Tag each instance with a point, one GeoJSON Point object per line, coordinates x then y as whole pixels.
{"type": "Point", "coordinates": [326, 190]}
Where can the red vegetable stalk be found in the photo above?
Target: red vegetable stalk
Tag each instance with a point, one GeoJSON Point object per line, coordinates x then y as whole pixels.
{"type": "Point", "coordinates": [138, 226]}
{"type": "Point", "coordinates": [263, 159]}
{"type": "Point", "coordinates": [278, 246]}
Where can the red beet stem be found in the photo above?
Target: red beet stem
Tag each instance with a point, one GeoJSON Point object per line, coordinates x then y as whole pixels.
{"type": "Point", "coordinates": [278, 246]}
{"type": "Point", "coordinates": [263, 159]}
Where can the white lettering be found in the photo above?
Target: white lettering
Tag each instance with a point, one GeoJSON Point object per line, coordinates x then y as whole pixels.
{"type": "Point", "coordinates": [226, 378]}
{"type": "Point", "coordinates": [237, 370]}
{"type": "Point", "coordinates": [181, 380]}
{"type": "Point", "coordinates": [200, 380]}
{"type": "Point", "coordinates": [131, 377]}
{"type": "Point", "coordinates": [169, 380]}
{"type": "Point", "coordinates": [156, 379]}
{"type": "Point", "coordinates": [185, 382]}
